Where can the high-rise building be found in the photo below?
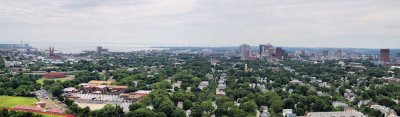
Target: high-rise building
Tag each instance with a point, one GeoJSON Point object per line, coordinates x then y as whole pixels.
{"type": "Point", "coordinates": [101, 50]}
{"type": "Point", "coordinates": [265, 50]}
{"type": "Point", "coordinates": [245, 50]}
{"type": "Point", "coordinates": [303, 53]}
{"type": "Point", "coordinates": [262, 49]}
{"type": "Point", "coordinates": [384, 55]}
{"type": "Point", "coordinates": [338, 53]}
{"type": "Point", "coordinates": [279, 52]}
{"type": "Point", "coordinates": [325, 52]}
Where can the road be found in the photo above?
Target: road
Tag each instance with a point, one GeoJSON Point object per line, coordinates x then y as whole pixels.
{"type": "Point", "coordinates": [44, 97]}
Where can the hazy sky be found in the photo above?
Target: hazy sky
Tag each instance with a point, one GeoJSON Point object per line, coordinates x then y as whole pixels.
{"type": "Point", "coordinates": [301, 23]}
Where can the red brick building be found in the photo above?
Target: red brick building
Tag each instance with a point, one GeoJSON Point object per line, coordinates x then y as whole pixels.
{"type": "Point", "coordinates": [54, 75]}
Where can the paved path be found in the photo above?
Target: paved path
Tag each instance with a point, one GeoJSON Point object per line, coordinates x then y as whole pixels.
{"type": "Point", "coordinates": [258, 113]}
{"type": "Point", "coordinates": [51, 104]}
{"type": "Point", "coordinates": [44, 97]}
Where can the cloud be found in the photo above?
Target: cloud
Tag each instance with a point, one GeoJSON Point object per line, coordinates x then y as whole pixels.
{"type": "Point", "coordinates": [204, 22]}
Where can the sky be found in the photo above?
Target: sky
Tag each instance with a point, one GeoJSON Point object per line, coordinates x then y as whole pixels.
{"type": "Point", "coordinates": [291, 23]}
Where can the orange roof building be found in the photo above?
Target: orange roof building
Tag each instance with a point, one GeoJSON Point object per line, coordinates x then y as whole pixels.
{"type": "Point", "coordinates": [102, 87]}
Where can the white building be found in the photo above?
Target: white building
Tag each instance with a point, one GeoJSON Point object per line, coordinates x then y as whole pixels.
{"type": "Point", "coordinates": [203, 84]}
{"type": "Point", "coordinates": [287, 112]}
{"type": "Point", "coordinates": [385, 110]}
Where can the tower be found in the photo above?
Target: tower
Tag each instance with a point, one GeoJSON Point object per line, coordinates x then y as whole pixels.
{"type": "Point", "coordinates": [279, 52]}
{"type": "Point", "coordinates": [51, 52]}
{"type": "Point", "coordinates": [246, 69]}
{"type": "Point", "coordinates": [384, 55]}
{"type": "Point", "coordinates": [245, 50]}
{"type": "Point", "coordinates": [265, 50]}
{"type": "Point", "coordinates": [338, 53]}
{"type": "Point", "coordinates": [325, 53]}
{"type": "Point", "coordinates": [262, 50]}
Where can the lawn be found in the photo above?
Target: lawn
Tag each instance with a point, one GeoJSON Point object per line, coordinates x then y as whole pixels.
{"type": "Point", "coordinates": [40, 81]}
{"type": "Point", "coordinates": [11, 101]}
{"type": "Point", "coordinates": [69, 77]}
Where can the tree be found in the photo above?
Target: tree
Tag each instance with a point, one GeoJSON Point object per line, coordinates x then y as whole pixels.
{"type": "Point", "coordinates": [197, 110]}
{"type": "Point", "coordinates": [221, 100]}
{"type": "Point", "coordinates": [321, 105]}
{"type": "Point", "coordinates": [68, 102]}
{"type": "Point", "coordinates": [397, 108]}
{"type": "Point", "coordinates": [161, 85]}
{"type": "Point", "coordinates": [161, 114]}
{"type": "Point", "coordinates": [119, 110]}
{"type": "Point", "coordinates": [249, 106]}
{"type": "Point", "coordinates": [9, 113]}
{"type": "Point", "coordinates": [56, 90]}
{"type": "Point", "coordinates": [166, 106]}
{"type": "Point", "coordinates": [236, 112]}
{"type": "Point", "coordinates": [207, 106]}
{"type": "Point", "coordinates": [187, 104]}
{"type": "Point", "coordinates": [275, 102]}
{"type": "Point", "coordinates": [182, 96]}
{"type": "Point", "coordinates": [288, 103]}
{"type": "Point", "coordinates": [135, 106]}
{"type": "Point", "coordinates": [145, 100]}
{"type": "Point", "coordinates": [74, 109]}
{"type": "Point", "coordinates": [230, 109]}
{"type": "Point", "coordinates": [142, 112]}
{"type": "Point", "coordinates": [84, 112]}
{"type": "Point", "coordinates": [108, 111]}
{"type": "Point", "coordinates": [300, 111]}
{"type": "Point", "coordinates": [385, 101]}
{"type": "Point", "coordinates": [178, 113]}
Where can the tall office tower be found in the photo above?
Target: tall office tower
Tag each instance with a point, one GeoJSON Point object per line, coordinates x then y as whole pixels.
{"type": "Point", "coordinates": [245, 50]}
{"type": "Point", "coordinates": [99, 49]}
{"type": "Point", "coordinates": [265, 50]}
{"type": "Point", "coordinates": [338, 53]}
{"type": "Point", "coordinates": [279, 52]}
{"type": "Point", "coordinates": [384, 55]}
{"type": "Point", "coordinates": [398, 58]}
{"type": "Point", "coordinates": [269, 49]}
{"type": "Point", "coordinates": [262, 49]}
{"type": "Point", "coordinates": [325, 53]}
{"type": "Point", "coordinates": [303, 53]}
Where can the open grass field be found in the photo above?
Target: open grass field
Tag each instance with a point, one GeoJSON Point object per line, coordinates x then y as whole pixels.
{"type": "Point", "coordinates": [40, 81]}
{"type": "Point", "coordinates": [11, 101]}
{"type": "Point", "coordinates": [69, 77]}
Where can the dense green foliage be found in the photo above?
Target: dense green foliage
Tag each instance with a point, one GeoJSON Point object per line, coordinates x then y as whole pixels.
{"type": "Point", "coordinates": [318, 84]}
{"type": "Point", "coordinates": [2, 63]}
{"type": "Point", "coordinates": [18, 85]}
{"type": "Point", "coordinates": [10, 113]}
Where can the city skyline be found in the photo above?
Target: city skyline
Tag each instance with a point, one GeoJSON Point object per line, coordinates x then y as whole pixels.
{"type": "Point", "coordinates": [200, 58]}
{"type": "Point", "coordinates": [299, 23]}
